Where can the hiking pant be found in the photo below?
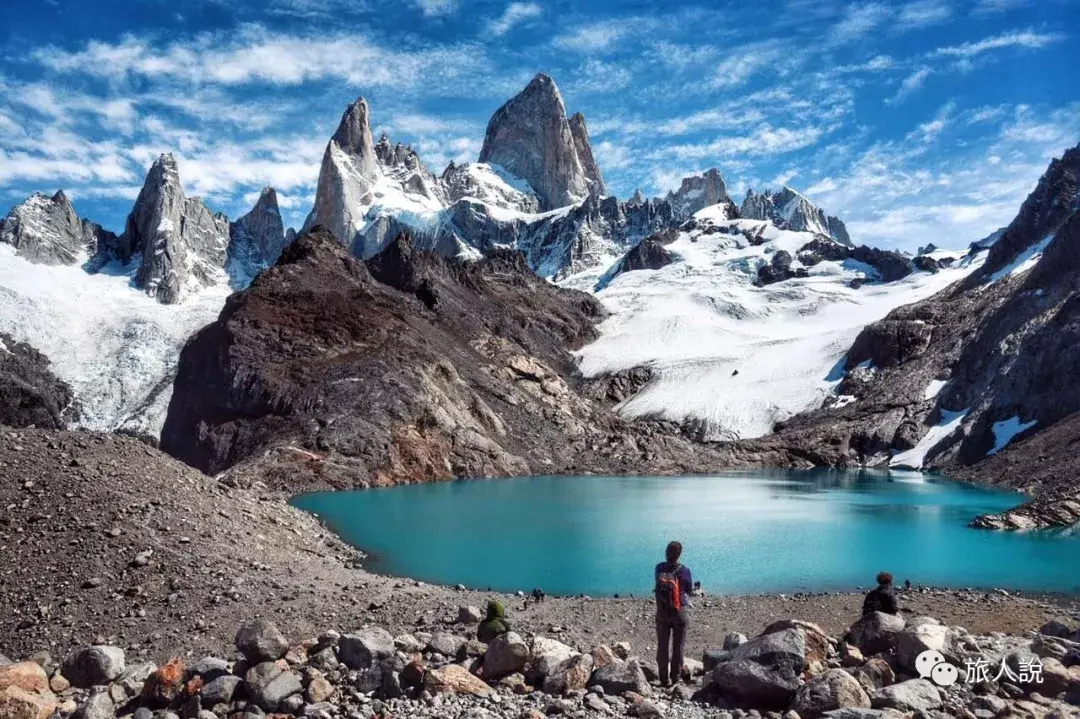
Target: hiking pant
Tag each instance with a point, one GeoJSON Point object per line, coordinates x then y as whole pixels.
{"type": "Point", "coordinates": [670, 629]}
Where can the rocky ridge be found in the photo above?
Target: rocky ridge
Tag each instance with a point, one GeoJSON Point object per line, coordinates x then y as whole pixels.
{"type": "Point", "coordinates": [466, 371]}
{"type": "Point", "coordinates": [255, 240]}
{"type": "Point", "coordinates": [992, 354]}
{"type": "Point", "coordinates": [790, 210]}
{"type": "Point", "coordinates": [47, 230]}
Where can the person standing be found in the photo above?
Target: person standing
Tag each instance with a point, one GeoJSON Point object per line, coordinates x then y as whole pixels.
{"type": "Point", "coordinates": [673, 582]}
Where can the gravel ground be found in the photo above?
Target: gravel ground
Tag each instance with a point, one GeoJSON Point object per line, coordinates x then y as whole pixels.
{"type": "Point", "coordinates": [82, 510]}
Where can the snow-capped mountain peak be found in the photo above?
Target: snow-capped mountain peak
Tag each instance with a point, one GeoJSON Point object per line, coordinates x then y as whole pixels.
{"type": "Point", "coordinates": [255, 240]}
{"type": "Point", "coordinates": [47, 230]}
{"type": "Point", "coordinates": [790, 209]}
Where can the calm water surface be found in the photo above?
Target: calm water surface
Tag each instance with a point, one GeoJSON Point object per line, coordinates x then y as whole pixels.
{"type": "Point", "coordinates": [768, 530]}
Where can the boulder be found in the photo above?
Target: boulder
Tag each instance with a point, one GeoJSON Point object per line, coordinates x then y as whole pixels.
{"type": "Point", "coordinates": [734, 639]}
{"type": "Point", "coordinates": [835, 689]}
{"type": "Point", "coordinates": [455, 679]}
{"type": "Point", "coordinates": [854, 713]}
{"type": "Point", "coordinates": [446, 644]}
{"type": "Point", "coordinates": [165, 683]}
{"type": "Point", "coordinates": [572, 674]}
{"type": "Point", "coordinates": [712, 657]}
{"type": "Point", "coordinates": [268, 684]}
{"type": "Point", "coordinates": [470, 615]}
{"type": "Point", "coordinates": [209, 668]}
{"type": "Point", "coordinates": [93, 666]}
{"type": "Point", "coordinates": [18, 703]}
{"type": "Point", "coordinates": [1060, 627]}
{"type": "Point", "coordinates": [619, 677]}
{"type": "Point", "coordinates": [851, 655]}
{"type": "Point", "coordinates": [99, 706]}
{"type": "Point", "coordinates": [747, 683]}
{"type": "Point", "coordinates": [220, 690]}
{"type": "Point", "coordinates": [875, 674]}
{"type": "Point", "coordinates": [914, 640]}
{"type": "Point", "coordinates": [1056, 679]}
{"type": "Point", "coordinates": [875, 632]}
{"type": "Point", "coordinates": [544, 655]}
{"type": "Point", "coordinates": [507, 653]}
{"type": "Point", "coordinates": [604, 655]}
{"type": "Point", "coordinates": [366, 649]}
{"type": "Point", "coordinates": [318, 690]}
{"type": "Point", "coordinates": [783, 650]}
{"type": "Point", "coordinates": [1046, 645]}
{"type": "Point", "coordinates": [912, 695]}
{"type": "Point", "coordinates": [260, 641]}
{"type": "Point", "coordinates": [819, 645]}
{"type": "Point", "coordinates": [28, 676]}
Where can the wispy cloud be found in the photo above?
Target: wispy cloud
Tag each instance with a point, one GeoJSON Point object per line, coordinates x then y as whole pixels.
{"type": "Point", "coordinates": [922, 13]}
{"type": "Point", "coordinates": [763, 141]}
{"type": "Point", "coordinates": [994, 7]}
{"type": "Point", "coordinates": [515, 14]}
{"type": "Point", "coordinates": [1019, 38]}
{"type": "Point", "coordinates": [928, 131]}
{"type": "Point", "coordinates": [594, 37]}
{"type": "Point", "coordinates": [743, 63]}
{"type": "Point", "coordinates": [910, 84]}
{"type": "Point", "coordinates": [859, 20]}
{"type": "Point", "coordinates": [436, 8]}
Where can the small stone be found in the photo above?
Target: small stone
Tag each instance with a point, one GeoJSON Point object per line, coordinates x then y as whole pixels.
{"type": "Point", "coordinates": [220, 690]}
{"type": "Point", "coordinates": [92, 583]}
{"type": "Point", "coordinates": [319, 690]}
{"type": "Point", "coordinates": [94, 665]}
{"type": "Point", "coordinates": [455, 679]}
{"type": "Point", "coordinates": [470, 615]}
{"type": "Point", "coordinates": [260, 641]}
{"type": "Point", "coordinates": [165, 684]}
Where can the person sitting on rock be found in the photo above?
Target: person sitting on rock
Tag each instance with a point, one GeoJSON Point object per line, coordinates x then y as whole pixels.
{"type": "Point", "coordinates": [673, 584]}
{"type": "Point", "coordinates": [494, 624]}
{"type": "Point", "coordinates": [881, 599]}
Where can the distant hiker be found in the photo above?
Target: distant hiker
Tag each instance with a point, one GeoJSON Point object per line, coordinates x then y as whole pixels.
{"type": "Point", "coordinates": [881, 599]}
{"type": "Point", "coordinates": [673, 583]}
{"type": "Point", "coordinates": [538, 595]}
{"type": "Point", "coordinates": [494, 624]}
{"type": "Point", "coordinates": [907, 585]}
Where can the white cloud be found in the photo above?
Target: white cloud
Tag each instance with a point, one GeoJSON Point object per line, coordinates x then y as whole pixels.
{"type": "Point", "coordinates": [595, 37]}
{"type": "Point", "coordinates": [910, 84]}
{"type": "Point", "coordinates": [597, 76]}
{"type": "Point", "coordinates": [1018, 38]}
{"type": "Point", "coordinates": [922, 13]}
{"type": "Point", "coordinates": [859, 20]}
{"type": "Point", "coordinates": [610, 156]}
{"type": "Point", "coordinates": [993, 7]}
{"type": "Point", "coordinates": [740, 64]}
{"type": "Point", "coordinates": [928, 131]}
{"type": "Point", "coordinates": [437, 8]}
{"type": "Point", "coordinates": [764, 141]}
{"type": "Point", "coordinates": [515, 14]}
{"type": "Point", "coordinates": [712, 119]}
{"type": "Point", "coordinates": [255, 54]}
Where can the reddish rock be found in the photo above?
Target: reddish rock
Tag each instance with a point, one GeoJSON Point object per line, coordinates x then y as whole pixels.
{"type": "Point", "coordinates": [165, 684]}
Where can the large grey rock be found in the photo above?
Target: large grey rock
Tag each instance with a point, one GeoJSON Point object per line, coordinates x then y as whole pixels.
{"type": "Point", "coordinates": [749, 684]}
{"type": "Point", "coordinates": [912, 695]}
{"type": "Point", "coordinates": [544, 655]}
{"type": "Point", "coordinates": [366, 648]}
{"type": "Point", "coordinates": [255, 240]}
{"type": "Point", "coordinates": [48, 231]}
{"type": "Point", "coordinates": [619, 677]}
{"type": "Point", "coordinates": [570, 675]}
{"type": "Point", "coordinates": [93, 666]}
{"type": "Point", "coordinates": [876, 632]}
{"type": "Point", "coordinates": [182, 243]}
{"type": "Point", "coordinates": [784, 650]}
{"type": "Point", "coordinates": [835, 689]}
{"type": "Point", "coordinates": [220, 690]}
{"type": "Point", "coordinates": [915, 640]}
{"type": "Point", "coordinates": [446, 644]}
{"type": "Point", "coordinates": [854, 713]}
{"type": "Point", "coordinates": [1060, 627]}
{"type": "Point", "coordinates": [268, 685]}
{"type": "Point", "coordinates": [260, 641]}
{"type": "Point", "coordinates": [530, 137]}
{"type": "Point", "coordinates": [506, 654]}
{"type": "Point", "coordinates": [98, 706]}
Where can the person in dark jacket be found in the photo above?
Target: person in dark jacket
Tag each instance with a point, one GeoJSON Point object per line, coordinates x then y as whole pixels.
{"type": "Point", "coordinates": [881, 599]}
{"type": "Point", "coordinates": [673, 583]}
{"type": "Point", "coordinates": [494, 624]}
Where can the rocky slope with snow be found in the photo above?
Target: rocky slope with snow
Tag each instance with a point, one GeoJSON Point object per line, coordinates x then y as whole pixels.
{"type": "Point", "coordinates": [48, 231]}
{"type": "Point", "coordinates": [968, 377]}
{"type": "Point", "coordinates": [410, 367]}
{"type": "Point", "coordinates": [255, 240]}
{"type": "Point", "coordinates": [790, 210]}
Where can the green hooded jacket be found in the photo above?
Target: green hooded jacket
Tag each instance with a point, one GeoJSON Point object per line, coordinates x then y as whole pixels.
{"type": "Point", "coordinates": [495, 623]}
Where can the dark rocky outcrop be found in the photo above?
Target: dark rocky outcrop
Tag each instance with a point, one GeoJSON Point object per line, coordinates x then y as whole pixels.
{"type": "Point", "coordinates": [649, 254]}
{"type": "Point", "coordinates": [409, 368]}
{"type": "Point", "coordinates": [778, 269]}
{"type": "Point", "coordinates": [531, 137]}
{"type": "Point", "coordinates": [30, 395]}
{"type": "Point", "coordinates": [48, 231]}
{"type": "Point", "coordinates": [697, 192]}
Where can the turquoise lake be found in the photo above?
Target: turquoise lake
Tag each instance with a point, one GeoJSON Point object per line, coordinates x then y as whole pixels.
{"type": "Point", "coordinates": [743, 532]}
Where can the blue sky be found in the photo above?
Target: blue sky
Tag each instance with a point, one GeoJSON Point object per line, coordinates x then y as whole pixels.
{"type": "Point", "coordinates": [917, 121]}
